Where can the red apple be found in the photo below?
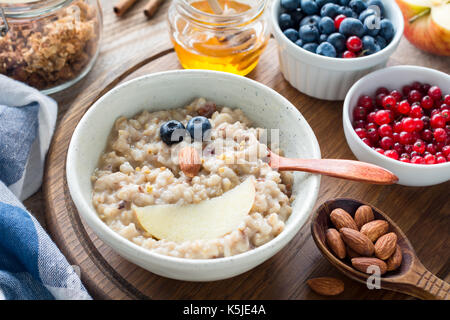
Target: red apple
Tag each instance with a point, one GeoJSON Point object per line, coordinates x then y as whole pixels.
{"type": "Point", "coordinates": [427, 24]}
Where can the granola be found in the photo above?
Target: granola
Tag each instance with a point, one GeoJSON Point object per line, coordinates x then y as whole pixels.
{"type": "Point", "coordinates": [53, 49]}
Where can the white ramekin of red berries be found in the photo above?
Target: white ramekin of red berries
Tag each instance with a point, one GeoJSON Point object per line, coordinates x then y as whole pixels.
{"type": "Point", "coordinates": [399, 118]}
{"type": "Point", "coordinates": [325, 46]}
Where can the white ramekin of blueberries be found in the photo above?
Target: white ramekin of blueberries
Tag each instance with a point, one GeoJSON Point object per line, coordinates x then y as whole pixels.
{"type": "Point", "coordinates": [325, 46]}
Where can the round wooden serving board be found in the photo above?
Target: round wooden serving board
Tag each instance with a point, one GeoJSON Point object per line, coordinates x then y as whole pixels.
{"type": "Point", "coordinates": [422, 213]}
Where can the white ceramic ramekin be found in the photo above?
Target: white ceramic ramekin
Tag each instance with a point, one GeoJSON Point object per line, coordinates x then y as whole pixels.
{"type": "Point", "coordinates": [324, 77]}
{"type": "Point", "coordinates": [395, 78]}
{"type": "Point", "coordinates": [173, 89]}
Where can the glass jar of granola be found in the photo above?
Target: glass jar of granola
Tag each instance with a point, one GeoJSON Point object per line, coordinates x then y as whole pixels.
{"type": "Point", "coordinates": [49, 44]}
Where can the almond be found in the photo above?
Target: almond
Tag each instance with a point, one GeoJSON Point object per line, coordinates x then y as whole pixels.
{"type": "Point", "coordinates": [363, 263]}
{"type": "Point", "coordinates": [189, 161]}
{"type": "Point", "coordinates": [335, 242]}
{"type": "Point", "coordinates": [385, 246]}
{"type": "Point", "coordinates": [363, 215]}
{"type": "Point", "coordinates": [326, 286]}
{"type": "Point", "coordinates": [375, 229]}
{"type": "Point", "coordinates": [342, 219]}
{"type": "Point", "coordinates": [395, 260]}
{"type": "Point", "coordinates": [360, 243]}
{"type": "Point", "coordinates": [351, 253]}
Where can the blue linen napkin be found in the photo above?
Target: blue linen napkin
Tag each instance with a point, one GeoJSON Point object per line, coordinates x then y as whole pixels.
{"type": "Point", "coordinates": [31, 266]}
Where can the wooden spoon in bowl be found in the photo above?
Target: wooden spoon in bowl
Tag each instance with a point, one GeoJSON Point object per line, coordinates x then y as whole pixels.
{"type": "Point", "coordinates": [345, 169]}
{"type": "Point", "coordinates": [410, 278]}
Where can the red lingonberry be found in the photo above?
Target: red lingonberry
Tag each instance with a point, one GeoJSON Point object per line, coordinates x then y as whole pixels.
{"type": "Point", "coordinates": [362, 133]}
{"type": "Point", "coordinates": [396, 94]}
{"type": "Point", "coordinates": [366, 102]}
{"type": "Point", "coordinates": [424, 88]}
{"type": "Point", "coordinates": [386, 143]}
{"type": "Point", "coordinates": [437, 121]}
{"type": "Point", "coordinates": [405, 160]}
{"type": "Point", "coordinates": [379, 150]}
{"type": "Point", "coordinates": [441, 160]}
{"type": "Point", "coordinates": [372, 134]}
{"type": "Point", "coordinates": [427, 135]}
{"type": "Point", "coordinates": [398, 147]}
{"type": "Point", "coordinates": [429, 159]}
{"type": "Point", "coordinates": [419, 146]}
{"type": "Point", "coordinates": [403, 107]}
{"type": "Point", "coordinates": [385, 130]}
{"type": "Point", "coordinates": [348, 55]}
{"type": "Point", "coordinates": [382, 117]}
{"type": "Point", "coordinates": [388, 102]}
{"type": "Point", "coordinates": [418, 123]}
{"type": "Point", "coordinates": [382, 90]}
{"type": "Point", "coordinates": [338, 20]}
{"type": "Point", "coordinates": [435, 93]}
{"type": "Point", "coordinates": [416, 111]}
{"type": "Point", "coordinates": [391, 154]}
{"type": "Point", "coordinates": [417, 160]}
{"type": "Point", "coordinates": [445, 114]}
{"type": "Point", "coordinates": [406, 90]}
{"type": "Point", "coordinates": [379, 99]}
{"type": "Point", "coordinates": [431, 148]}
{"type": "Point", "coordinates": [354, 44]}
{"type": "Point", "coordinates": [359, 113]}
{"type": "Point", "coordinates": [447, 99]}
{"type": "Point", "coordinates": [414, 96]}
{"type": "Point", "coordinates": [440, 135]}
{"type": "Point", "coordinates": [367, 141]}
{"type": "Point", "coordinates": [427, 102]}
{"type": "Point", "coordinates": [397, 127]}
{"type": "Point", "coordinates": [408, 124]}
{"type": "Point", "coordinates": [416, 85]}
{"type": "Point", "coordinates": [405, 137]}
{"type": "Point", "coordinates": [446, 151]}
{"type": "Point", "coordinates": [426, 121]}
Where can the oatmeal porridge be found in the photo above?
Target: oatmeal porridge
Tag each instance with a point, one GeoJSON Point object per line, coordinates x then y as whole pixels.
{"type": "Point", "coordinates": [140, 168]}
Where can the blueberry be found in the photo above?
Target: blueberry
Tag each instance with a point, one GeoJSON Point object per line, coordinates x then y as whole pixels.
{"type": "Point", "coordinates": [368, 12]}
{"type": "Point", "coordinates": [378, 3]}
{"type": "Point", "coordinates": [326, 49]}
{"type": "Point", "coordinates": [358, 6]}
{"type": "Point", "coordinates": [346, 11]}
{"type": "Point", "coordinates": [289, 4]}
{"type": "Point", "coordinates": [338, 41]}
{"type": "Point", "coordinates": [309, 7]}
{"type": "Point", "coordinates": [386, 29]}
{"type": "Point", "coordinates": [297, 16]}
{"type": "Point", "coordinates": [352, 27]}
{"type": "Point", "coordinates": [309, 33]}
{"type": "Point", "coordinates": [285, 21]}
{"type": "Point", "coordinates": [321, 3]}
{"type": "Point", "coordinates": [344, 2]}
{"type": "Point", "coordinates": [323, 37]}
{"type": "Point", "coordinates": [299, 42]}
{"type": "Point", "coordinates": [292, 34]}
{"type": "Point", "coordinates": [172, 132]}
{"type": "Point", "coordinates": [381, 42]}
{"type": "Point", "coordinates": [369, 45]}
{"type": "Point", "coordinates": [326, 25]}
{"type": "Point", "coordinates": [199, 128]}
{"type": "Point", "coordinates": [329, 10]}
{"type": "Point", "coordinates": [311, 47]}
{"type": "Point", "coordinates": [310, 20]}
{"type": "Point", "coordinates": [371, 25]}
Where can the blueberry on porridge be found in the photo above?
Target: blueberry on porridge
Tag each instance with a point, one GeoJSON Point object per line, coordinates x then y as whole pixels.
{"type": "Point", "coordinates": [234, 201]}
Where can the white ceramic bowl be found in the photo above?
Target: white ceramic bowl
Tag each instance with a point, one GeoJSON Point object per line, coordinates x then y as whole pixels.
{"type": "Point", "coordinates": [174, 89]}
{"type": "Point", "coordinates": [324, 77]}
{"type": "Point", "coordinates": [395, 78]}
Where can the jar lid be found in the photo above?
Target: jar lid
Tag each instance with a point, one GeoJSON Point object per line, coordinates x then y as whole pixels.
{"type": "Point", "coordinates": [30, 8]}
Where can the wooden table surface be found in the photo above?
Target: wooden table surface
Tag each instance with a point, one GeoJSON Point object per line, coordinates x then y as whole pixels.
{"type": "Point", "coordinates": [422, 213]}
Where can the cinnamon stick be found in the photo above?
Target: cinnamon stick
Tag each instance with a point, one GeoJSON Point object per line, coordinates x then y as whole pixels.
{"type": "Point", "coordinates": [122, 6]}
{"type": "Point", "coordinates": [151, 7]}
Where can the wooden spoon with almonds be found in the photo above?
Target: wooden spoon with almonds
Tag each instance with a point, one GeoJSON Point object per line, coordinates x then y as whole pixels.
{"type": "Point", "coordinates": [411, 277]}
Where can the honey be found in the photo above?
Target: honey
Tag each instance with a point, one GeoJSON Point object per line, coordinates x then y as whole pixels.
{"type": "Point", "coordinates": [231, 42]}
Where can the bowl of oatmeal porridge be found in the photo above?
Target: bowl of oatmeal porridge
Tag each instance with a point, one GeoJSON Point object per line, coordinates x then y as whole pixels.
{"type": "Point", "coordinates": [229, 215]}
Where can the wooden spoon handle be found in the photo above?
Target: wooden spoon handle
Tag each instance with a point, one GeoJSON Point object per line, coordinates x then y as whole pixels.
{"type": "Point", "coordinates": [346, 169]}
{"type": "Point", "coordinates": [422, 284]}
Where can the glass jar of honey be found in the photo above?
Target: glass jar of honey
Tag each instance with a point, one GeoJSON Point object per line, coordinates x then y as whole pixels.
{"type": "Point", "coordinates": [230, 41]}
